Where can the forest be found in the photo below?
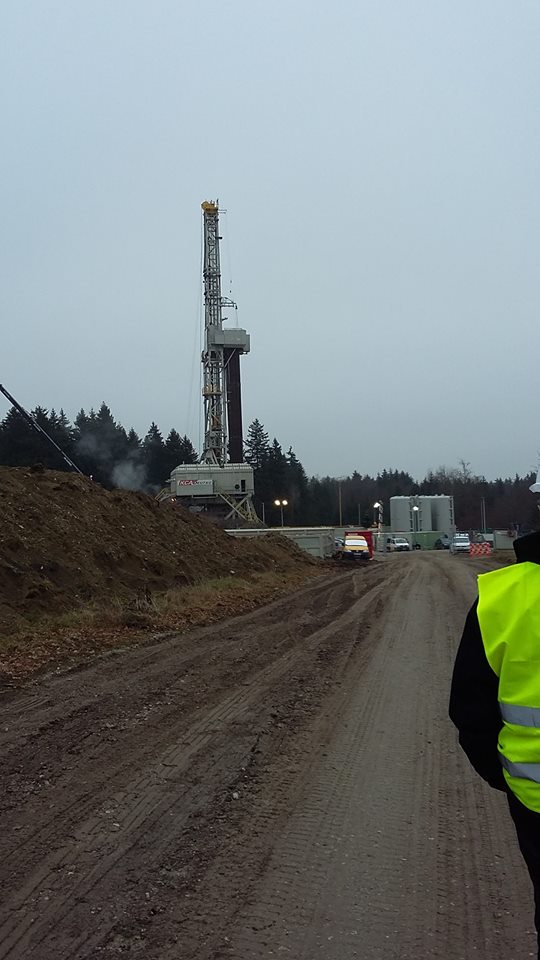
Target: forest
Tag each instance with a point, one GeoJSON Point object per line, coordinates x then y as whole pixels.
{"type": "Point", "coordinates": [115, 457]}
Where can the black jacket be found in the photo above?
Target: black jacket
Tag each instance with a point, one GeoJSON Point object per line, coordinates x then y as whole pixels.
{"type": "Point", "coordinates": [474, 707]}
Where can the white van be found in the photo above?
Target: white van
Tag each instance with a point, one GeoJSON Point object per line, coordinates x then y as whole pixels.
{"type": "Point", "coordinates": [397, 544]}
{"type": "Point", "coordinates": [460, 543]}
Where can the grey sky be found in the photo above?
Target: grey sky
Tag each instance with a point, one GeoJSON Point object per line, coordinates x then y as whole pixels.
{"type": "Point", "coordinates": [378, 162]}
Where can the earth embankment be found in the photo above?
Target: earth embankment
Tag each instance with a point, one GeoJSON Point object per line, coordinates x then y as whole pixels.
{"type": "Point", "coordinates": [82, 568]}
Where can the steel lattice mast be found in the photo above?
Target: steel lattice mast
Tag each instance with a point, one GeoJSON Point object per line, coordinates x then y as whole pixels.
{"type": "Point", "coordinates": [215, 440]}
{"type": "Point", "coordinates": [222, 350]}
{"type": "Point", "coordinates": [222, 484]}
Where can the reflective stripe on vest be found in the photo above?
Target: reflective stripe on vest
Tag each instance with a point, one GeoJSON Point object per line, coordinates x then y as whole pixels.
{"type": "Point", "coordinates": [509, 619]}
{"type": "Point", "coordinates": [522, 716]}
{"type": "Point", "coordinates": [526, 771]}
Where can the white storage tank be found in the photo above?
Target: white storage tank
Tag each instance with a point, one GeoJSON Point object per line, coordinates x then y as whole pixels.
{"type": "Point", "coordinates": [434, 513]}
{"type": "Point", "coordinates": [443, 513]}
{"type": "Point", "coordinates": [400, 514]}
{"type": "Point", "coordinates": [425, 520]}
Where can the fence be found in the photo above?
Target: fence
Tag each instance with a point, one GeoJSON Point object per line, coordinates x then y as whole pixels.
{"type": "Point", "coordinates": [479, 550]}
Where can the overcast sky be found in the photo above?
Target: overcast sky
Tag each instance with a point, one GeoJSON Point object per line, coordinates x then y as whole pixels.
{"type": "Point", "coordinates": [379, 164]}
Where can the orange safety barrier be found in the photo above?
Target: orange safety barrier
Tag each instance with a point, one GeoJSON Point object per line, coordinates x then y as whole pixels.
{"type": "Point", "coordinates": [479, 550]}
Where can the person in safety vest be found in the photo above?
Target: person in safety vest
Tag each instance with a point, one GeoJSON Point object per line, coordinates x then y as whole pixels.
{"type": "Point", "coordinates": [495, 694]}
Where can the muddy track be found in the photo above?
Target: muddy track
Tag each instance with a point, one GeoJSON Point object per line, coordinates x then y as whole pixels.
{"type": "Point", "coordinates": [285, 783]}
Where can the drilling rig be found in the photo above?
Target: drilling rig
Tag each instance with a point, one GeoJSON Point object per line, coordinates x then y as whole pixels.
{"type": "Point", "coordinates": [221, 485]}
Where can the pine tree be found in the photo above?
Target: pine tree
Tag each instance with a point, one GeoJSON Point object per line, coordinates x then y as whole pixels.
{"type": "Point", "coordinates": [154, 457]}
{"type": "Point", "coordinates": [297, 486]}
{"type": "Point", "coordinates": [173, 453]}
{"type": "Point", "coordinates": [274, 478]}
{"type": "Point", "coordinates": [17, 443]}
{"type": "Point", "coordinates": [133, 440]}
{"type": "Point", "coordinates": [189, 453]}
{"type": "Point", "coordinates": [256, 446]}
{"type": "Point", "coordinates": [178, 450]}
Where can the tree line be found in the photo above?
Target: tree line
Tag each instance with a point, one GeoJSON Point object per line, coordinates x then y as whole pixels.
{"type": "Point", "coordinates": [507, 504]}
{"type": "Point", "coordinates": [115, 457]}
{"type": "Point", "coordinates": [98, 444]}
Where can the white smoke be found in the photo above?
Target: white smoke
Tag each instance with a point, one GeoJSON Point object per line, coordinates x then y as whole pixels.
{"type": "Point", "coordinates": [129, 476]}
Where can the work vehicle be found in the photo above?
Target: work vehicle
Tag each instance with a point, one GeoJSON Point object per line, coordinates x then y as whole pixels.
{"type": "Point", "coordinates": [460, 543]}
{"type": "Point", "coordinates": [397, 544]}
{"type": "Point", "coordinates": [485, 538]}
{"type": "Point", "coordinates": [443, 543]}
{"type": "Point", "coordinates": [355, 545]}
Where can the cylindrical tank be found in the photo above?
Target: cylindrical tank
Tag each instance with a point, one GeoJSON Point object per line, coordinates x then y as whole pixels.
{"type": "Point", "coordinates": [434, 513]}
{"type": "Point", "coordinates": [425, 521]}
{"type": "Point", "coordinates": [443, 513]}
{"type": "Point", "coordinates": [400, 514]}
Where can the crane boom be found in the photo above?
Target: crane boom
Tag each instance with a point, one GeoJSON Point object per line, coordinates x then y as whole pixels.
{"type": "Point", "coordinates": [31, 420]}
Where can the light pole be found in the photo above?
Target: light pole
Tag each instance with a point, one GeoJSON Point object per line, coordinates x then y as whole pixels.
{"type": "Point", "coordinates": [415, 523]}
{"type": "Point", "coordinates": [281, 504]}
{"type": "Point", "coordinates": [378, 506]}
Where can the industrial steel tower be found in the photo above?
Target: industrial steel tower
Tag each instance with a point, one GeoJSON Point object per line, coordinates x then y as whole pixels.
{"type": "Point", "coordinates": [223, 441]}
{"type": "Point", "coordinates": [222, 484]}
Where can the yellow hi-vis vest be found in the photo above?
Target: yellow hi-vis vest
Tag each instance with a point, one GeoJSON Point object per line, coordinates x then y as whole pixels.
{"type": "Point", "coordinates": [509, 618]}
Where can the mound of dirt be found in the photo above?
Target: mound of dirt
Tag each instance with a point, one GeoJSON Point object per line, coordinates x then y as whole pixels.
{"type": "Point", "coordinates": [67, 542]}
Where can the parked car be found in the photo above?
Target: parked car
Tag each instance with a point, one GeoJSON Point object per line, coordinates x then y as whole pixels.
{"type": "Point", "coordinates": [355, 545]}
{"type": "Point", "coordinates": [484, 538]}
{"type": "Point", "coordinates": [397, 544]}
{"type": "Point", "coordinates": [443, 543]}
{"type": "Point", "coordinates": [355, 548]}
{"type": "Point", "coordinates": [460, 543]}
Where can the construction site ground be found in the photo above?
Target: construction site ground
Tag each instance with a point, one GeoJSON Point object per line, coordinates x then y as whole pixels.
{"type": "Point", "coordinates": [284, 783]}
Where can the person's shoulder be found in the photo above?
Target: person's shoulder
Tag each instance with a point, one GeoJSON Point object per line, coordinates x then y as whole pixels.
{"type": "Point", "coordinates": [527, 548]}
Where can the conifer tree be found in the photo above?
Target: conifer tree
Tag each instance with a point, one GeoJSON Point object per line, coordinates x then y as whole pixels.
{"type": "Point", "coordinates": [256, 446]}
{"type": "Point", "coordinates": [189, 453]}
{"type": "Point", "coordinates": [297, 486]}
{"type": "Point", "coordinates": [154, 457]}
{"type": "Point", "coordinates": [173, 452]}
{"type": "Point", "coordinates": [17, 446]}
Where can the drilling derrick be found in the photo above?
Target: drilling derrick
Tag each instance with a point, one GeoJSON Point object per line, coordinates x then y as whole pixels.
{"type": "Point", "coordinates": [215, 442]}
{"type": "Point", "coordinates": [223, 441]}
{"type": "Point", "coordinates": [221, 486]}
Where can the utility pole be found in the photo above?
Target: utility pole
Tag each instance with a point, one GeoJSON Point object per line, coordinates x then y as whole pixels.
{"type": "Point", "coordinates": [483, 514]}
{"type": "Point", "coordinates": [381, 542]}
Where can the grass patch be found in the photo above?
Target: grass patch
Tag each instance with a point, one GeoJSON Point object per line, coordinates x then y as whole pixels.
{"type": "Point", "coordinates": [83, 632]}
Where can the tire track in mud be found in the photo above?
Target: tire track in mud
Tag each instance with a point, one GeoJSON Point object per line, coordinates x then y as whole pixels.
{"type": "Point", "coordinates": [311, 803]}
{"type": "Point", "coordinates": [52, 891]}
{"type": "Point", "coordinates": [104, 718]}
{"type": "Point", "coordinates": [395, 849]}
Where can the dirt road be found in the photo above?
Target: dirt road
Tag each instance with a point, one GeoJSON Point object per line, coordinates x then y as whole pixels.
{"type": "Point", "coordinates": [283, 784]}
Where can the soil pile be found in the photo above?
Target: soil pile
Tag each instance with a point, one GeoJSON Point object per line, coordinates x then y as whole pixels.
{"type": "Point", "coordinates": [66, 542]}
